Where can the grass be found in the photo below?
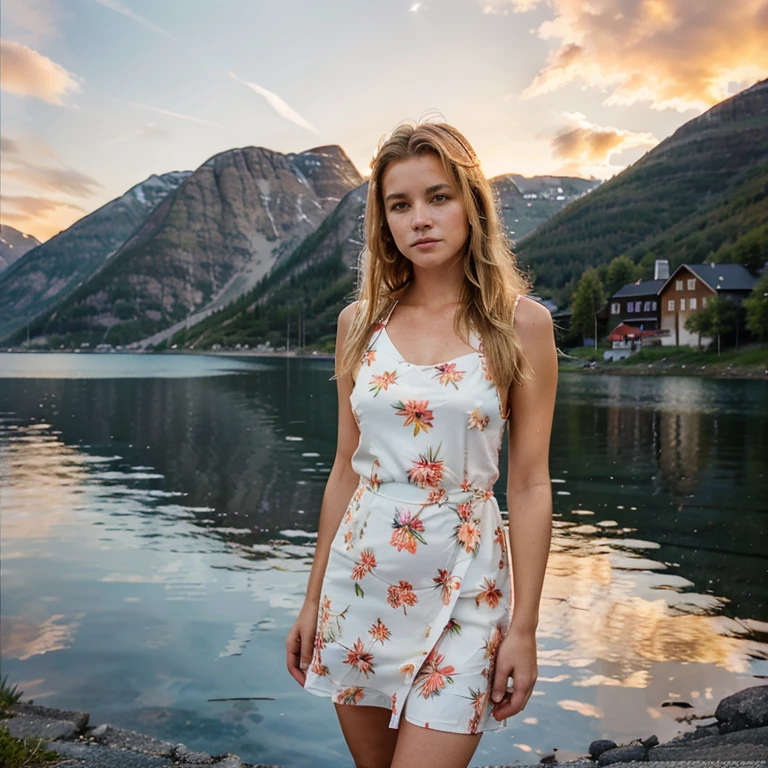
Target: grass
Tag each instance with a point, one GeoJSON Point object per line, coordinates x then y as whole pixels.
{"type": "Point", "coordinates": [18, 753]}
{"type": "Point", "coordinates": [751, 357]}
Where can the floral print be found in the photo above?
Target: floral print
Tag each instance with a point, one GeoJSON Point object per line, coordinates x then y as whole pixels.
{"type": "Point", "coordinates": [416, 594]}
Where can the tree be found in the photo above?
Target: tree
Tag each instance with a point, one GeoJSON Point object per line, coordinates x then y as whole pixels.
{"type": "Point", "coordinates": [588, 299]}
{"type": "Point", "coordinates": [717, 319]}
{"type": "Point", "coordinates": [756, 305]}
{"type": "Point", "coordinates": [621, 270]}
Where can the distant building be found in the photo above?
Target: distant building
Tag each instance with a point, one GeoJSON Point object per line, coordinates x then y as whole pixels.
{"type": "Point", "coordinates": [626, 339]}
{"type": "Point", "coordinates": [689, 289]}
{"type": "Point", "coordinates": [637, 304]}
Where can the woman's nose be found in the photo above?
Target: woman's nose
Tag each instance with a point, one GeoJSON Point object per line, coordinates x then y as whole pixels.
{"type": "Point", "coordinates": [421, 217]}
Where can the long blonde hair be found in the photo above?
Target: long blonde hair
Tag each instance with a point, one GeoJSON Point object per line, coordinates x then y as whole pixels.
{"type": "Point", "coordinates": [492, 281]}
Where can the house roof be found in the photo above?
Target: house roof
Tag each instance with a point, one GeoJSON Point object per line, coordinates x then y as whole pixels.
{"type": "Point", "coordinates": [723, 277]}
{"type": "Point", "coordinates": [640, 288]}
{"type": "Point", "coordinates": [631, 331]}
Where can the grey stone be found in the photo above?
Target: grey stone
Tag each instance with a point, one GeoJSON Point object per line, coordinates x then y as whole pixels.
{"type": "Point", "coordinates": [95, 756]}
{"type": "Point", "coordinates": [749, 744]}
{"type": "Point", "coordinates": [230, 762]}
{"type": "Point", "coordinates": [651, 741]}
{"type": "Point", "coordinates": [633, 753]}
{"type": "Point", "coordinates": [99, 731]}
{"type": "Point", "coordinates": [596, 748]}
{"type": "Point", "coordinates": [745, 709]}
{"type": "Point", "coordinates": [138, 742]}
{"type": "Point", "coordinates": [80, 719]}
{"type": "Point", "coordinates": [29, 726]}
{"type": "Point", "coordinates": [183, 752]}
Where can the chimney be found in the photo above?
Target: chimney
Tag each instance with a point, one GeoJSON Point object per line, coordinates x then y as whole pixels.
{"type": "Point", "coordinates": [661, 269]}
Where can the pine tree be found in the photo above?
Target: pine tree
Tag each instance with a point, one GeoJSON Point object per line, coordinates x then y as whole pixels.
{"type": "Point", "coordinates": [756, 305]}
{"type": "Point", "coordinates": [588, 300]}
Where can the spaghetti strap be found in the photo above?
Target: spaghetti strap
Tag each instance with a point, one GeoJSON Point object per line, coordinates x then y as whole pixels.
{"type": "Point", "coordinates": [514, 307]}
{"type": "Point", "coordinates": [389, 314]}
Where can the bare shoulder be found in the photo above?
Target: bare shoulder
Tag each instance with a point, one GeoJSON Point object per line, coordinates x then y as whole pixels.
{"type": "Point", "coordinates": [533, 321]}
{"type": "Point", "coordinates": [345, 319]}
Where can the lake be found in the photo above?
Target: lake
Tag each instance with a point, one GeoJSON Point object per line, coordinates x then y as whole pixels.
{"type": "Point", "coordinates": [159, 515]}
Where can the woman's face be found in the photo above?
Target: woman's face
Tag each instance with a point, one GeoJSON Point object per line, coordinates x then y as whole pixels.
{"type": "Point", "coordinates": [424, 211]}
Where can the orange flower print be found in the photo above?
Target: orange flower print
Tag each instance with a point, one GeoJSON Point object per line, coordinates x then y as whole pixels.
{"type": "Point", "coordinates": [464, 511]}
{"type": "Point", "coordinates": [432, 677]}
{"type": "Point", "coordinates": [373, 481]}
{"type": "Point", "coordinates": [394, 703]}
{"type": "Point", "coordinates": [479, 701]}
{"type": "Point", "coordinates": [408, 530]}
{"type": "Point", "coordinates": [317, 666]}
{"type": "Point", "coordinates": [477, 420]}
{"type": "Point", "coordinates": [447, 583]}
{"type": "Point", "coordinates": [493, 642]}
{"type": "Point", "coordinates": [438, 496]}
{"type": "Point", "coordinates": [449, 375]}
{"type": "Point", "coordinates": [351, 695]}
{"type": "Point", "coordinates": [407, 669]}
{"type": "Point", "coordinates": [365, 565]}
{"type": "Point", "coordinates": [427, 472]}
{"type": "Point", "coordinates": [468, 535]}
{"type": "Point", "coordinates": [501, 539]}
{"type": "Point", "coordinates": [379, 631]}
{"type": "Point", "coordinates": [369, 357]}
{"type": "Point", "coordinates": [360, 659]}
{"type": "Point", "coordinates": [466, 485]}
{"type": "Point", "coordinates": [382, 382]}
{"type": "Point", "coordinates": [329, 623]}
{"type": "Point", "coordinates": [402, 595]}
{"type": "Point", "coordinates": [490, 594]}
{"type": "Point", "coordinates": [416, 412]}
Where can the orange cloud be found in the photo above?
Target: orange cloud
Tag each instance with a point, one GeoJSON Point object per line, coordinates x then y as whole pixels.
{"type": "Point", "coordinates": [32, 20]}
{"type": "Point", "coordinates": [26, 72]}
{"type": "Point", "coordinates": [588, 148]}
{"type": "Point", "coordinates": [674, 54]}
{"type": "Point", "coordinates": [39, 216]}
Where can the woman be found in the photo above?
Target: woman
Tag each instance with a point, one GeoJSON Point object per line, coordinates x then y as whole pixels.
{"type": "Point", "coordinates": [408, 622]}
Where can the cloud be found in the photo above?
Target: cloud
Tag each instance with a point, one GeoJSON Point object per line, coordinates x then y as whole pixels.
{"type": "Point", "coordinates": [32, 20]}
{"type": "Point", "coordinates": [174, 114]}
{"type": "Point", "coordinates": [148, 131]}
{"type": "Point", "coordinates": [26, 72]}
{"type": "Point", "coordinates": [673, 54]}
{"type": "Point", "coordinates": [415, 7]}
{"type": "Point", "coordinates": [277, 103]}
{"type": "Point", "coordinates": [113, 5]}
{"type": "Point", "coordinates": [41, 217]}
{"type": "Point", "coordinates": [587, 148]}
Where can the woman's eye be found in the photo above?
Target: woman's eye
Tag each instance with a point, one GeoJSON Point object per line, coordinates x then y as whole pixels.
{"type": "Point", "coordinates": [396, 206]}
{"type": "Point", "coordinates": [440, 198]}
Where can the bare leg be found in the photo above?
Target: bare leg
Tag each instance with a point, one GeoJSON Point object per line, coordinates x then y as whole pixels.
{"type": "Point", "coordinates": [428, 748]}
{"type": "Point", "coordinates": [368, 735]}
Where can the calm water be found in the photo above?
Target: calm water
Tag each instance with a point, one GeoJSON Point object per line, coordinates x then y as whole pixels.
{"type": "Point", "coordinates": [159, 514]}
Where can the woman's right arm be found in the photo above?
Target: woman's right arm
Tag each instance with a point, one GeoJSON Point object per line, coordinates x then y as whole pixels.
{"type": "Point", "coordinates": [341, 485]}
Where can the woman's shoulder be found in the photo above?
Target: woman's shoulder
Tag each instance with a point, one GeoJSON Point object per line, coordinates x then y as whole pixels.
{"type": "Point", "coordinates": [532, 319]}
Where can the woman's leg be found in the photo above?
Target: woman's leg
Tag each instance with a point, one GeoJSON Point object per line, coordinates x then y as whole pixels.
{"type": "Point", "coordinates": [429, 748]}
{"type": "Point", "coordinates": [368, 735]}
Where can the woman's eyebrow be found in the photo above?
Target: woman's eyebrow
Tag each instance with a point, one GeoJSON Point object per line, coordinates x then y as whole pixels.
{"type": "Point", "coordinates": [429, 191]}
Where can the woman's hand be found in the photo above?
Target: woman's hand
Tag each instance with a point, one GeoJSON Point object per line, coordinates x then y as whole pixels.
{"type": "Point", "coordinates": [516, 658]}
{"type": "Point", "coordinates": [299, 645]}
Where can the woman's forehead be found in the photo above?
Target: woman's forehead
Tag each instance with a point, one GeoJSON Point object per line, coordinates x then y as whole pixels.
{"type": "Point", "coordinates": [413, 174]}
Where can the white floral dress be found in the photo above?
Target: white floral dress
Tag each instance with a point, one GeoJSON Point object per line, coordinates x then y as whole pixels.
{"type": "Point", "coordinates": [416, 596]}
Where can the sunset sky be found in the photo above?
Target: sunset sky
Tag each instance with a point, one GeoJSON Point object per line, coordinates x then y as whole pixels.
{"type": "Point", "coordinates": [97, 95]}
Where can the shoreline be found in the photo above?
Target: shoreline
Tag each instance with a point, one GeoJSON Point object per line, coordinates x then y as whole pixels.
{"type": "Point", "coordinates": [688, 371]}
{"type": "Point", "coordinates": [736, 731]}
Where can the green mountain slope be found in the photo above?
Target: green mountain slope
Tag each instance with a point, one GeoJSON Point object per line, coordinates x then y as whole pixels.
{"type": "Point", "coordinates": [698, 193]}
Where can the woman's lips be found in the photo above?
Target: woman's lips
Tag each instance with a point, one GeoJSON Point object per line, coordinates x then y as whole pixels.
{"type": "Point", "coordinates": [425, 244]}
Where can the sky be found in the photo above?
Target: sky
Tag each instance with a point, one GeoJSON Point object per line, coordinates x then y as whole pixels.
{"type": "Point", "coordinates": [97, 95]}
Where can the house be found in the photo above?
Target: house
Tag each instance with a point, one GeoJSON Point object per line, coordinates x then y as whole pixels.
{"type": "Point", "coordinates": [638, 303]}
{"type": "Point", "coordinates": [688, 290]}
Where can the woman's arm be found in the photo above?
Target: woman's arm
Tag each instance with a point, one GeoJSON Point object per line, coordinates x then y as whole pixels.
{"type": "Point", "coordinates": [529, 501]}
{"type": "Point", "coordinates": [341, 485]}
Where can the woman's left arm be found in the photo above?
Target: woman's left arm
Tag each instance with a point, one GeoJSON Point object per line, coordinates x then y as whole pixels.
{"type": "Point", "coordinates": [529, 501]}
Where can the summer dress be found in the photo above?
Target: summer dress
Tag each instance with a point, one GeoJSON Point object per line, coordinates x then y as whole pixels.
{"type": "Point", "coordinates": [416, 595]}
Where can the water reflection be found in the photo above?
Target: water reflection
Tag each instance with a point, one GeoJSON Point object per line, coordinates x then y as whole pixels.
{"type": "Point", "coordinates": [157, 535]}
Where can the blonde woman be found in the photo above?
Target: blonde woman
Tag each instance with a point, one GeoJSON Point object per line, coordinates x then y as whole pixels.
{"type": "Point", "coordinates": [409, 622]}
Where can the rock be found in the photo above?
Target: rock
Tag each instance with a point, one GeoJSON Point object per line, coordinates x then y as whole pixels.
{"type": "Point", "coordinates": [636, 752]}
{"type": "Point", "coordinates": [651, 741]}
{"type": "Point", "coordinates": [233, 761]}
{"type": "Point", "coordinates": [28, 726]}
{"type": "Point", "coordinates": [99, 731]}
{"type": "Point", "coordinates": [95, 756]}
{"type": "Point", "coordinates": [138, 742]}
{"type": "Point", "coordinates": [596, 748]}
{"type": "Point", "coordinates": [80, 719]}
{"type": "Point", "coordinates": [745, 709]}
{"type": "Point", "coordinates": [184, 753]}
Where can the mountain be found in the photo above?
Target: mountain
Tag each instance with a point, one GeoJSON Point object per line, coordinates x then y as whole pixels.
{"type": "Point", "coordinates": [527, 202]}
{"type": "Point", "coordinates": [50, 271]}
{"type": "Point", "coordinates": [224, 228]}
{"type": "Point", "coordinates": [702, 192]}
{"type": "Point", "coordinates": [317, 280]}
{"type": "Point", "coordinates": [13, 245]}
